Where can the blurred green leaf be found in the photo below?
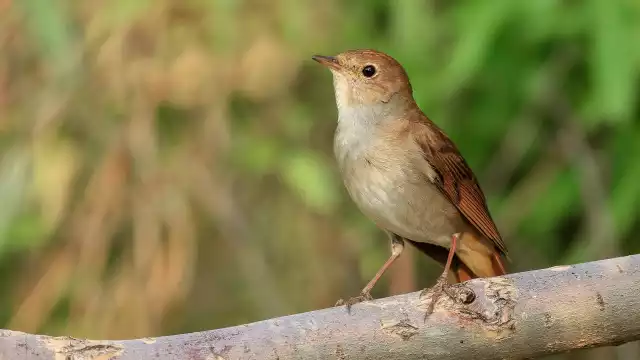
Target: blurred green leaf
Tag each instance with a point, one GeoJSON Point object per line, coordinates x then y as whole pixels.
{"type": "Point", "coordinates": [412, 28]}
{"type": "Point", "coordinates": [478, 25]}
{"type": "Point", "coordinates": [256, 154]}
{"type": "Point", "coordinates": [224, 31]}
{"type": "Point", "coordinates": [122, 12]}
{"type": "Point", "coordinates": [298, 122]}
{"type": "Point", "coordinates": [25, 233]}
{"type": "Point", "coordinates": [50, 25]}
{"type": "Point", "coordinates": [625, 195]}
{"type": "Point", "coordinates": [539, 18]}
{"type": "Point", "coordinates": [615, 72]}
{"type": "Point", "coordinates": [14, 177]}
{"type": "Point", "coordinates": [310, 176]}
{"type": "Point", "coordinates": [558, 202]}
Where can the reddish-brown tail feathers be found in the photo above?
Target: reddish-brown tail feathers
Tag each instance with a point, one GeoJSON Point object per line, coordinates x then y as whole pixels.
{"type": "Point", "coordinates": [474, 258]}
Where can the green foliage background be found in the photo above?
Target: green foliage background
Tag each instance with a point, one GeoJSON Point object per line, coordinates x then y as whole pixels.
{"type": "Point", "coordinates": [166, 165]}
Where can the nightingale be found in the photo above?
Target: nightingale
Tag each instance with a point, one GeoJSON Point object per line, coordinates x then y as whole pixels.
{"type": "Point", "coordinates": [406, 175]}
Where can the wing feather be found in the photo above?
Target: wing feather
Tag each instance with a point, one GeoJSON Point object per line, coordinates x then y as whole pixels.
{"type": "Point", "coordinates": [456, 181]}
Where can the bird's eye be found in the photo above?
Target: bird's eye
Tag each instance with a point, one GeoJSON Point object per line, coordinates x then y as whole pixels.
{"type": "Point", "coordinates": [369, 71]}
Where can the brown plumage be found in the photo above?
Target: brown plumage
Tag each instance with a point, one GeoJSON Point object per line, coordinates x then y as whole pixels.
{"type": "Point", "coordinates": [457, 182]}
{"type": "Point", "coordinates": [405, 173]}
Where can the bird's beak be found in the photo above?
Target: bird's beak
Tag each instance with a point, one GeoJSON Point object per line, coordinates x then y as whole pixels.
{"type": "Point", "coordinates": [328, 61]}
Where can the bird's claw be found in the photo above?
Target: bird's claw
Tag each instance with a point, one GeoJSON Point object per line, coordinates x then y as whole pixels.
{"type": "Point", "coordinates": [459, 294]}
{"type": "Point", "coordinates": [435, 292]}
{"type": "Point", "coordinates": [354, 300]}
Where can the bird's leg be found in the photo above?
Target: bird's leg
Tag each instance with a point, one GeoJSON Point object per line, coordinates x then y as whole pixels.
{"type": "Point", "coordinates": [397, 245]}
{"type": "Point", "coordinates": [441, 285]}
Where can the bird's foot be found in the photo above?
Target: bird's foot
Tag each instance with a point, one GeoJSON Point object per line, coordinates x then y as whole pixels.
{"type": "Point", "coordinates": [457, 293]}
{"type": "Point", "coordinates": [354, 300]}
{"type": "Point", "coordinates": [434, 293]}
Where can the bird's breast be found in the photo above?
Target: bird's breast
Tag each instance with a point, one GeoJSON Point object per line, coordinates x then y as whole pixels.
{"type": "Point", "coordinates": [387, 185]}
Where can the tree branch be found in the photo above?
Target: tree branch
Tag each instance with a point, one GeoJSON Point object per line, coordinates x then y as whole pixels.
{"type": "Point", "coordinates": [522, 315]}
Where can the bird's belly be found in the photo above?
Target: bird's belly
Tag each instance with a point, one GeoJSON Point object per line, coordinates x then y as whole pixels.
{"type": "Point", "coordinates": [405, 204]}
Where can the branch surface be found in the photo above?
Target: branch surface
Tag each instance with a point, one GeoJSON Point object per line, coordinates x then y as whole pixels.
{"type": "Point", "coordinates": [517, 316]}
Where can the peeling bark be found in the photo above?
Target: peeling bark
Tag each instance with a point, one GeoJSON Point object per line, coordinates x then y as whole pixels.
{"type": "Point", "coordinates": [517, 316]}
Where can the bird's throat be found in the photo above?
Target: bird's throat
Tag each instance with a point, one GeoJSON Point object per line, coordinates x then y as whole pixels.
{"type": "Point", "coordinates": [357, 130]}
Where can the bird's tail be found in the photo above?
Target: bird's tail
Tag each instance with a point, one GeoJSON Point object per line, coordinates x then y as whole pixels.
{"type": "Point", "coordinates": [479, 257]}
{"type": "Point", "coordinates": [475, 257]}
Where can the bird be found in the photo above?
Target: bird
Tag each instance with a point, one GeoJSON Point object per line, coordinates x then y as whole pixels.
{"type": "Point", "coordinates": [406, 175]}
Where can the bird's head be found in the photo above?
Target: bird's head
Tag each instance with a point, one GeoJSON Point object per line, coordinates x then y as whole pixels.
{"type": "Point", "coordinates": [366, 78]}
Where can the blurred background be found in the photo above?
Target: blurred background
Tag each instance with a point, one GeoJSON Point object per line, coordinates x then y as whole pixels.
{"type": "Point", "coordinates": [167, 165]}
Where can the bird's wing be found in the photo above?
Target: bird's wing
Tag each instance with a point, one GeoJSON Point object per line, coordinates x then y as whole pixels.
{"type": "Point", "coordinates": [456, 180]}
